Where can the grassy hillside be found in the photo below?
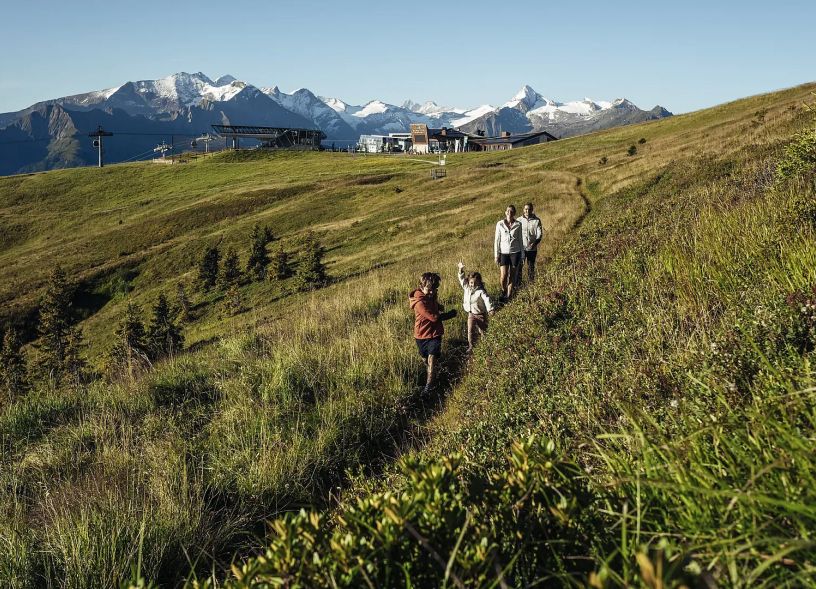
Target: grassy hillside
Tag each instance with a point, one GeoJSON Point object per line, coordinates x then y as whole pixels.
{"type": "Point", "coordinates": [662, 364]}
{"type": "Point", "coordinates": [624, 353]}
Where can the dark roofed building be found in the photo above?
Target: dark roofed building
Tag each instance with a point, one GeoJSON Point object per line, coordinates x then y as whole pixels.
{"type": "Point", "coordinates": [272, 137]}
{"type": "Point", "coordinates": [508, 141]}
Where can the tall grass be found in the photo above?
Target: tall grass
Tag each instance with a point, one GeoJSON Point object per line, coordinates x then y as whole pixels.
{"type": "Point", "coordinates": [307, 392]}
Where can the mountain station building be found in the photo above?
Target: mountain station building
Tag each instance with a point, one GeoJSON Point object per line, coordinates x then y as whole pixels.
{"type": "Point", "coordinates": [423, 139]}
{"type": "Point", "coordinates": [272, 137]}
{"type": "Point", "coordinates": [508, 141]}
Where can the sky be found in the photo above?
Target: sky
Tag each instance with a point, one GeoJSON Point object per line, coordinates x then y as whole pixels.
{"type": "Point", "coordinates": [682, 55]}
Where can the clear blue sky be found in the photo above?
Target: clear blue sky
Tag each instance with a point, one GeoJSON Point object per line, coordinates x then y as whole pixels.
{"type": "Point", "coordinates": [683, 55]}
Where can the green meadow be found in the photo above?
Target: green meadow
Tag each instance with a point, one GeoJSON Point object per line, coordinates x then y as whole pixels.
{"type": "Point", "coordinates": [642, 415]}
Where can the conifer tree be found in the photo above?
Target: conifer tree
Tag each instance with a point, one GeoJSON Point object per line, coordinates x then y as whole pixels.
{"type": "Point", "coordinates": [258, 258]}
{"type": "Point", "coordinates": [312, 271]}
{"type": "Point", "coordinates": [183, 302]}
{"type": "Point", "coordinates": [163, 336]}
{"type": "Point", "coordinates": [75, 364]}
{"type": "Point", "coordinates": [55, 324]}
{"type": "Point", "coordinates": [130, 350]}
{"type": "Point", "coordinates": [208, 269]}
{"type": "Point", "coordinates": [281, 268]}
{"type": "Point", "coordinates": [12, 366]}
{"type": "Point", "coordinates": [231, 272]}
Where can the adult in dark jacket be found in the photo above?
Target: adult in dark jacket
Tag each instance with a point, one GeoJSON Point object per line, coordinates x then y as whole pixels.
{"type": "Point", "coordinates": [428, 328]}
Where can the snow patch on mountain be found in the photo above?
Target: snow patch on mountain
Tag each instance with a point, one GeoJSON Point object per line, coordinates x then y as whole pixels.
{"type": "Point", "coordinates": [474, 114]}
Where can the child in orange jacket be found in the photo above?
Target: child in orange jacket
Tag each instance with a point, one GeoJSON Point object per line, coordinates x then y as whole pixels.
{"type": "Point", "coordinates": [428, 328]}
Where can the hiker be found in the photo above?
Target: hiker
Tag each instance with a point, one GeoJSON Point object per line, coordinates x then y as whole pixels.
{"type": "Point", "coordinates": [531, 231]}
{"type": "Point", "coordinates": [477, 304]}
{"type": "Point", "coordinates": [508, 249]}
{"type": "Point", "coordinates": [428, 328]}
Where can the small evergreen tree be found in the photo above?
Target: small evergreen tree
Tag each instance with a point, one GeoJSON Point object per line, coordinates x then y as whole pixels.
{"type": "Point", "coordinates": [231, 273]}
{"type": "Point", "coordinates": [183, 302]}
{"type": "Point", "coordinates": [632, 150]}
{"type": "Point", "coordinates": [76, 368]}
{"type": "Point", "coordinates": [55, 324]}
{"type": "Point", "coordinates": [163, 335]}
{"type": "Point", "coordinates": [258, 258]}
{"type": "Point", "coordinates": [312, 271]}
{"type": "Point", "coordinates": [12, 366]}
{"type": "Point", "coordinates": [208, 269]}
{"type": "Point", "coordinates": [130, 350]}
{"type": "Point", "coordinates": [281, 268]}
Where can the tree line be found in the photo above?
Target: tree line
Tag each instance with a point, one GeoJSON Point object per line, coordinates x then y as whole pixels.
{"type": "Point", "coordinates": [57, 354]}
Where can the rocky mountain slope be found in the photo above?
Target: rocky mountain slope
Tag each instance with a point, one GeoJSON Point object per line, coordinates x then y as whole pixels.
{"type": "Point", "coordinates": [177, 108]}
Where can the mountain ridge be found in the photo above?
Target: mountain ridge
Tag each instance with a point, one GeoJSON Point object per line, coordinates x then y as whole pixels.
{"type": "Point", "coordinates": [188, 103]}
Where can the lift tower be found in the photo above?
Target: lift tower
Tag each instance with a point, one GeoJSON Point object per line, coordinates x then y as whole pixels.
{"type": "Point", "coordinates": [99, 134]}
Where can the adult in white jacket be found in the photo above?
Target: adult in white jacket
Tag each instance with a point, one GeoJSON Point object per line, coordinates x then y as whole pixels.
{"type": "Point", "coordinates": [508, 250]}
{"type": "Point", "coordinates": [476, 303]}
{"type": "Point", "coordinates": [532, 231]}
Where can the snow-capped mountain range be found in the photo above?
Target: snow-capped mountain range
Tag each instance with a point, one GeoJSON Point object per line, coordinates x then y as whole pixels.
{"type": "Point", "coordinates": [189, 103]}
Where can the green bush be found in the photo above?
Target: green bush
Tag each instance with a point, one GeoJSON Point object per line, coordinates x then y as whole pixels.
{"type": "Point", "coordinates": [451, 524]}
{"type": "Point", "coordinates": [799, 158]}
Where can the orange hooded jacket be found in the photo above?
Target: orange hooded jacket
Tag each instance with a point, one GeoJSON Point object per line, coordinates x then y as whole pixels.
{"type": "Point", "coordinates": [427, 316]}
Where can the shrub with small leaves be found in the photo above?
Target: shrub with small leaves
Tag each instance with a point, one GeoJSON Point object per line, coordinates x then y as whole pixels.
{"type": "Point", "coordinates": [603, 160]}
{"type": "Point", "coordinates": [632, 150]}
{"type": "Point", "coordinates": [799, 158]}
{"type": "Point", "coordinates": [233, 301]}
{"type": "Point", "coordinates": [451, 524]}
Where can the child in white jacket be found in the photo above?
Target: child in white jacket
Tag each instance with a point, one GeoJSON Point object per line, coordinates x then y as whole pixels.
{"type": "Point", "coordinates": [476, 303]}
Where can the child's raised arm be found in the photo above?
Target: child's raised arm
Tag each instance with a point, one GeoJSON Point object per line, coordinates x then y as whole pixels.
{"type": "Point", "coordinates": [461, 274]}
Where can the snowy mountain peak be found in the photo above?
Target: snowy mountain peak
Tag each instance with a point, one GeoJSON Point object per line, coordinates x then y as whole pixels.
{"type": "Point", "coordinates": [224, 80]}
{"type": "Point", "coordinates": [335, 104]}
{"type": "Point", "coordinates": [527, 99]}
{"type": "Point", "coordinates": [373, 107]}
{"type": "Point", "coordinates": [525, 93]}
